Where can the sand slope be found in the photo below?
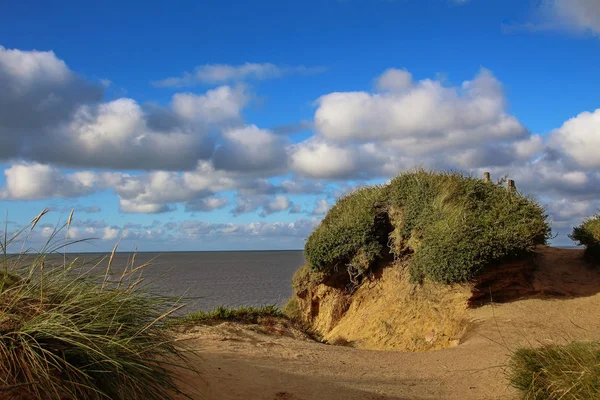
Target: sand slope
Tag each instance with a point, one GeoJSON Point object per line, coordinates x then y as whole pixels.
{"type": "Point", "coordinates": [239, 363]}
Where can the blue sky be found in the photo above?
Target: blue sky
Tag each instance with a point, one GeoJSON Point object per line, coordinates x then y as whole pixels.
{"type": "Point", "coordinates": [235, 125]}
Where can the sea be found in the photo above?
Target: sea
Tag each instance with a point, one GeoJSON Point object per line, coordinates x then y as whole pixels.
{"type": "Point", "coordinates": [204, 280]}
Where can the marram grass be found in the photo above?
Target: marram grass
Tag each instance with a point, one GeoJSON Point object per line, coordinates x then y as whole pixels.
{"type": "Point", "coordinates": [570, 372]}
{"type": "Point", "coordinates": [69, 333]}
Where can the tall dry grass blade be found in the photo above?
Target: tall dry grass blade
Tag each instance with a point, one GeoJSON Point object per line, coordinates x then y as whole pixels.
{"type": "Point", "coordinates": [132, 286]}
{"type": "Point", "coordinates": [165, 315]}
{"type": "Point", "coordinates": [69, 220]}
{"type": "Point", "coordinates": [38, 217]}
{"type": "Point", "coordinates": [141, 267]}
{"type": "Point", "coordinates": [110, 261]}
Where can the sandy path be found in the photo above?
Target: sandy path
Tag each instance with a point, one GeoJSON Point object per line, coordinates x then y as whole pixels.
{"type": "Point", "coordinates": [238, 363]}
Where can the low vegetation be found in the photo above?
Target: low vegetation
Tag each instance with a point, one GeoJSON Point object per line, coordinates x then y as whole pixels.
{"type": "Point", "coordinates": [69, 333]}
{"type": "Point", "coordinates": [570, 372]}
{"type": "Point", "coordinates": [244, 314]}
{"type": "Point", "coordinates": [588, 234]}
{"type": "Point", "coordinates": [450, 225]}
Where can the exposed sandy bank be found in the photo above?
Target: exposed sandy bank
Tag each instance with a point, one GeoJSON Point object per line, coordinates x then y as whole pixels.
{"type": "Point", "coordinates": [239, 363]}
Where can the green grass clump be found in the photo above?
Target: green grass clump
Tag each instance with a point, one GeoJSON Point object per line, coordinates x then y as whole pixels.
{"type": "Point", "coordinates": [246, 314]}
{"type": "Point", "coordinates": [67, 333]}
{"type": "Point", "coordinates": [588, 234]}
{"type": "Point", "coordinates": [570, 372]}
{"type": "Point", "coordinates": [451, 225]}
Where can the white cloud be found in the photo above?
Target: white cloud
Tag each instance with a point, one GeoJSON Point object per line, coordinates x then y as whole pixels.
{"type": "Point", "coordinates": [425, 112]}
{"type": "Point", "coordinates": [50, 115]}
{"type": "Point", "coordinates": [221, 73]}
{"type": "Point", "coordinates": [251, 149]}
{"type": "Point", "coordinates": [575, 16]}
{"type": "Point", "coordinates": [367, 135]}
{"type": "Point", "coordinates": [579, 138]}
{"type": "Point", "coordinates": [394, 80]}
{"type": "Point", "coordinates": [277, 204]}
{"type": "Point", "coordinates": [583, 15]}
{"type": "Point", "coordinates": [220, 105]}
{"type": "Point", "coordinates": [206, 204]}
{"type": "Point", "coordinates": [321, 207]}
{"type": "Point", "coordinates": [197, 229]}
{"type": "Point", "coordinates": [37, 181]}
{"type": "Point", "coordinates": [25, 68]}
{"type": "Point", "coordinates": [318, 159]}
{"type": "Point", "coordinates": [111, 233]}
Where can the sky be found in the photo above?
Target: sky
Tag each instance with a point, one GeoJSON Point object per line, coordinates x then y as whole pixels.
{"type": "Point", "coordinates": [235, 125]}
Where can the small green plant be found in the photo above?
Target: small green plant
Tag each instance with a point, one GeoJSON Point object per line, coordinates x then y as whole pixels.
{"type": "Point", "coordinates": [69, 331]}
{"type": "Point", "coordinates": [588, 234]}
{"type": "Point", "coordinates": [449, 225]}
{"type": "Point", "coordinates": [570, 372]}
{"type": "Point", "coordinates": [246, 314]}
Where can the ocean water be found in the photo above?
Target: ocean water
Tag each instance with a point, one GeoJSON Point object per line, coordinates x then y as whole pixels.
{"type": "Point", "coordinates": [210, 279]}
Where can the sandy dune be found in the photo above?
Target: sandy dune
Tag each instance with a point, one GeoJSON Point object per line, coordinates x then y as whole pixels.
{"type": "Point", "coordinates": [237, 362]}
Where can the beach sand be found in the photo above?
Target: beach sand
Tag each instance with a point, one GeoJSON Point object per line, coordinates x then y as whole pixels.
{"type": "Point", "coordinates": [239, 362]}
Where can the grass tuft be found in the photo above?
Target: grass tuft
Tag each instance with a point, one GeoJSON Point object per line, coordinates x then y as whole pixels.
{"type": "Point", "coordinates": [570, 372]}
{"type": "Point", "coordinates": [245, 314]}
{"type": "Point", "coordinates": [67, 332]}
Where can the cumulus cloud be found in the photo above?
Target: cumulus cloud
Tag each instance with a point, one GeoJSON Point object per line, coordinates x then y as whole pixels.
{"type": "Point", "coordinates": [216, 106]}
{"type": "Point", "coordinates": [51, 115]}
{"type": "Point", "coordinates": [426, 112]}
{"type": "Point", "coordinates": [251, 149]}
{"type": "Point", "coordinates": [395, 80]}
{"type": "Point", "coordinates": [38, 90]}
{"type": "Point", "coordinates": [222, 73]}
{"type": "Point", "coordinates": [579, 139]}
{"type": "Point", "coordinates": [277, 204]}
{"type": "Point", "coordinates": [111, 233]}
{"type": "Point", "coordinates": [365, 135]}
{"type": "Point", "coordinates": [37, 181]}
{"type": "Point", "coordinates": [206, 204]}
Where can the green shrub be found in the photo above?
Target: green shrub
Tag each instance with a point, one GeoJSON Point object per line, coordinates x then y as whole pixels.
{"type": "Point", "coordinates": [588, 235]}
{"type": "Point", "coordinates": [570, 372]}
{"type": "Point", "coordinates": [66, 333]}
{"type": "Point", "coordinates": [449, 224]}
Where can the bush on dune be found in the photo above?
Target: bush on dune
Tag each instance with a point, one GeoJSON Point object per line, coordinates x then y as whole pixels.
{"type": "Point", "coordinates": [570, 372]}
{"type": "Point", "coordinates": [450, 225]}
{"type": "Point", "coordinates": [66, 333]}
{"type": "Point", "coordinates": [588, 234]}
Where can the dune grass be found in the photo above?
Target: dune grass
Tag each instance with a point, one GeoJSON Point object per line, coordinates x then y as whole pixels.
{"type": "Point", "coordinates": [244, 314]}
{"type": "Point", "coordinates": [588, 234]}
{"type": "Point", "coordinates": [74, 331]}
{"type": "Point", "coordinates": [570, 372]}
{"type": "Point", "coordinates": [451, 226]}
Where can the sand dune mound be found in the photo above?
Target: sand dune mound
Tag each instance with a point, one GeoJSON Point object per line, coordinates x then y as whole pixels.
{"type": "Point", "coordinates": [388, 312]}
